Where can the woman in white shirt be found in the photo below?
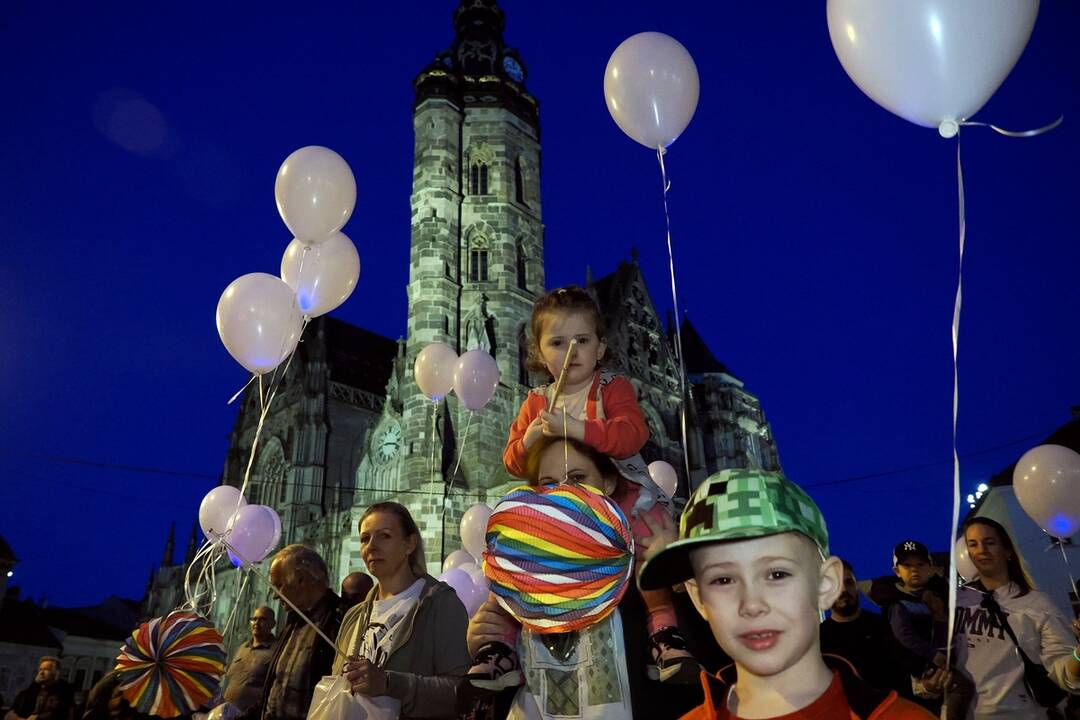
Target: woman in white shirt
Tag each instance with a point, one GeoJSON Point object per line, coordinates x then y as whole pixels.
{"type": "Point", "coordinates": [984, 650]}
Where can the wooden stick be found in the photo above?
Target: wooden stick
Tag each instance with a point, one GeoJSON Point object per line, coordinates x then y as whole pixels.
{"type": "Point", "coordinates": [562, 375]}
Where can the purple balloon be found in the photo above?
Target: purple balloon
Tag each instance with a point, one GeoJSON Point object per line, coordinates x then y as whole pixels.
{"type": "Point", "coordinates": [253, 530]}
{"type": "Point", "coordinates": [470, 595]}
{"type": "Point", "coordinates": [475, 379]}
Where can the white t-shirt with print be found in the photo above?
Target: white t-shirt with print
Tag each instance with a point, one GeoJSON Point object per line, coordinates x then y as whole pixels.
{"type": "Point", "coordinates": [386, 621]}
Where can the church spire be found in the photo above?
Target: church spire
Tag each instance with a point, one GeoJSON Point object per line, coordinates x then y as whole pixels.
{"type": "Point", "coordinates": [170, 544]}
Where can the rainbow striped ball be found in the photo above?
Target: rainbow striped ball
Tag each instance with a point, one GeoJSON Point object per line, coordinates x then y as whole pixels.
{"type": "Point", "coordinates": [559, 557]}
{"type": "Point", "coordinates": [171, 665]}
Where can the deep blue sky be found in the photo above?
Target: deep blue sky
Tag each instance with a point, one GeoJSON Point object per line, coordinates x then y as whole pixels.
{"type": "Point", "coordinates": [815, 235]}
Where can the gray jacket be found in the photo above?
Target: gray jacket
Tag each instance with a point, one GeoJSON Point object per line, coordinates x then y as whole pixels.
{"type": "Point", "coordinates": [427, 660]}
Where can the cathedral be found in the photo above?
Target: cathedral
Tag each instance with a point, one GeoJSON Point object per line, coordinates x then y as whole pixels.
{"type": "Point", "coordinates": [349, 427]}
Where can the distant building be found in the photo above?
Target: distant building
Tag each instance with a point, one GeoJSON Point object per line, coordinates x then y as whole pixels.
{"type": "Point", "coordinates": [349, 427]}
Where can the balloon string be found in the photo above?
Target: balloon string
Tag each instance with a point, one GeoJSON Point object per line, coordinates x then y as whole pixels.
{"type": "Point", "coordinates": [1017, 133]}
{"type": "Point", "coordinates": [241, 390]}
{"type": "Point", "coordinates": [277, 592]}
{"type": "Point", "coordinates": [434, 413]}
{"type": "Point", "coordinates": [1073, 591]}
{"type": "Point", "coordinates": [675, 302]}
{"type": "Point", "coordinates": [461, 450]}
{"type": "Point", "coordinates": [955, 408]}
{"type": "Point", "coordinates": [236, 605]}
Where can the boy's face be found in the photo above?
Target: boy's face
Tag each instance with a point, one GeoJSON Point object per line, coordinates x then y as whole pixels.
{"type": "Point", "coordinates": [763, 599]}
{"type": "Point", "coordinates": [914, 573]}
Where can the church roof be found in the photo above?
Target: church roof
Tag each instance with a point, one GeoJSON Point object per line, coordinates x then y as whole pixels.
{"type": "Point", "coordinates": [357, 357]}
{"type": "Point", "coordinates": [699, 358]}
{"type": "Point", "coordinates": [23, 623]}
{"type": "Point", "coordinates": [112, 619]}
{"type": "Point", "coordinates": [1068, 435]}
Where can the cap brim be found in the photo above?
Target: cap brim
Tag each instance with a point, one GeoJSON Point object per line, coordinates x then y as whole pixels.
{"type": "Point", "coordinates": [672, 565]}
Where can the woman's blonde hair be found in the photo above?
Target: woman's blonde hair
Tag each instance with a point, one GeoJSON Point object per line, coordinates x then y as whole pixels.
{"type": "Point", "coordinates": [417, 563]}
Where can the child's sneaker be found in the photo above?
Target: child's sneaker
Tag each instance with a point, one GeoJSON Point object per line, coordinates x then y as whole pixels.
{"type": "Point", "coordinates": [495, 668]}
{"type": "Point", "coordinates": [673, 663]}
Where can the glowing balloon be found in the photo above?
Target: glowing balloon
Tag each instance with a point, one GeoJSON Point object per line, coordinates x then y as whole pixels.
{"type": "Point", "coordinates": [474, 529]}
{"type": "Point", "coordinates": [651, 88]}
{"type": "Point", "coordinates": [324, 275]}
{"type": "Point", "coordinates": [434, 370]}
{"type": "Point", "coordinates": [258, 321]}
{"type": "Point", "coordinates": [476, 377]}
{"type": "Point", "coordinates": [470, 595]}
{"type": "Point", "coordinates": [964, 566]}
{"type": "Point", "coordinates": [932, 63]}
{"type": "Point", "coordinates": [315, 192]}
{"type": "Point", "coordinates": [458, 558]}
{"type": "Point", "coordinates": [1047, 485]}
{"type": "Point", "coordinates": [664, 476]}
{"type": "Point", "coordinates": [253, 530]}
{"type": "Point", "coordinates": [217, 509]}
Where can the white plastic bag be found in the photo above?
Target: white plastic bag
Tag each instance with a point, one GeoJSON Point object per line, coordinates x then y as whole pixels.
{"type": "Point", "coordinates": [334, 700]}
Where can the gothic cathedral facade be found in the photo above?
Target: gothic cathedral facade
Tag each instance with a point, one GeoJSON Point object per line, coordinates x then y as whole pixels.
{"type": "Point", "coordinates": [351, 428]}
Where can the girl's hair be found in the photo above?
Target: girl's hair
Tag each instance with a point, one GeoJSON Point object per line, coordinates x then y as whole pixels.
{"type": "Point", "coordinates": [603, 463]}
{"type": "Point", "coordinates": [566, 300]}
{"type": "Point", "coordinates": [1017, 574]}
{"type": "Point", "coordinates": [408, 526]}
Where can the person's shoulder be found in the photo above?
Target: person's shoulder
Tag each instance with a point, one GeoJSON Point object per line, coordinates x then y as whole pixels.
{"type": "Point", "coordinates": [897, 708]}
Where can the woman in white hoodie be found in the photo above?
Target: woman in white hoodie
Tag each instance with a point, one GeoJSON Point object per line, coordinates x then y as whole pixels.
{"type": "Point", "coordinates": [983, 648]}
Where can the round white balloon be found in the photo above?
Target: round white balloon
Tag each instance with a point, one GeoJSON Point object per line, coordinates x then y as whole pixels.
{"type": "Point", "coordinates": [1046, 481]}
{"type": "Point", "coordinates": [315, 192]}
{"type": "Point", "coordinates": [259, 321]}
{"type": "Point", "coordinates": [324, 275]}
{"type": "Point", "coordinates": [217, 509]}
{"type": "Point", "coordinates": [930, 61]}
{"type": "Point", "coordinates": [434, 370]}
{"type": "Point", "coordinates": [651, 88]}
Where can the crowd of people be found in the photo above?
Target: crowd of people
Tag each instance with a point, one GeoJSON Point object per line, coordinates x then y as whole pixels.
{"type": "Point", "coordinates": [725, 620]}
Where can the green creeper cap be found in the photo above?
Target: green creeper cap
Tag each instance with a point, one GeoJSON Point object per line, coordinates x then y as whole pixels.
{"type": "Point", "coordinates": [736, 505]}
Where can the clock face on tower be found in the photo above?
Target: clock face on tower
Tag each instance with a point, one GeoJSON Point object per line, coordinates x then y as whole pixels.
{"type": "Point", "coordinates": [513, 69]}
{"type": "Point", "coordinates": [387, 443]}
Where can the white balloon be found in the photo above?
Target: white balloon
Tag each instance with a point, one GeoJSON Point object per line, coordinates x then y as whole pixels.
{"type": "Point", "coordinates": [651, 88]}
{"type": "Point", "coordinates": [217, 509]}
{"type": "Point", "coordinates": [324, 275]}
{"type": "Point", "coordinates": [1046, 480]}
{"type": "Point", "coordinates": [932, 62]}
{"type": "Point", "coordinates": [664, 476]}
{"type": "Point", "coordinates": [315, 192]}
{"type": "Point", "coordinates": [252, 532]}
{"type": "Point", "coordinates": [964, 566]}
{"type": "Point", "coordinates": [474, 529]}
{"type": "Point", "coordinates": [434, 370]}
{"type": "Point", "coordinates": [479, 579]}
{"type": "Point", "coordinates": [458, 558]}
{"type": "Point", "coordinates": [258, 321]}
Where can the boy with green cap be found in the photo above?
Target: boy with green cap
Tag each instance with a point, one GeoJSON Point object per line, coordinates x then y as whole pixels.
{"type": "Point", "coordinates": [753, 550]}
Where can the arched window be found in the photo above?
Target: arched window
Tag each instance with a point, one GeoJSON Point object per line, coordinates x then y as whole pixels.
{"type": "Point", "coordinates": [478, 178]}
{"type": "Point", "coordinates": [522, 278]}
{"type": "Point", "coordinates": [519, 182]}
{"type": "Point", "coordinates": [478, 265]}
{"type": "Point", "coordinates": [483, 179]}
{"type": "Point", "coordinates": [272, 471]}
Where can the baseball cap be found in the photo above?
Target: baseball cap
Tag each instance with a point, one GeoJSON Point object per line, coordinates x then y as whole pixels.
{"type": "Point", "coordinates": [736, 505]}
{"type": "Point", "coordinates": [908, 549]}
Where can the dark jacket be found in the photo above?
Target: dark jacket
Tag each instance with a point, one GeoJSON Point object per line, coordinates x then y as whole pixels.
{"type": "Point", "coordinates": [55, 702]}
{"type": "Point", "coordinates": [918, 635]}
{"type": "Point", "coordinates": [428, 658]}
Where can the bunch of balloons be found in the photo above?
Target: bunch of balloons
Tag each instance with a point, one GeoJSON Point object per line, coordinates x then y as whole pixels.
{"type": "Point", "coordinates": [932, 63]}
{"type": "Point", "coordinates": [473, 377]}
{"type": "Point", "coordinates": [260, 316]}
{"type": "Point", "coordinates": [462, 568]}
{"type": "Point", "coordinates": [249, 532]}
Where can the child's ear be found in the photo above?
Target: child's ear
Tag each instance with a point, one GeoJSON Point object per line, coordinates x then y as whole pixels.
{"type": "Point", "coordinates": [832, 582]}
{"type": "Point", "coordinates": [600, 350]}
{"type": "Point", "coordinates": [695, 597]}
{"type": "Point", "coordinates": [896, 570]}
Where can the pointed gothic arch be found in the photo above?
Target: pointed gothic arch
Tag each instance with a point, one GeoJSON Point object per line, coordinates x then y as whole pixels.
{"type": "Point", "coordinates": [272, 471]}
{"type": "Point", "coordinates": [478, 239]}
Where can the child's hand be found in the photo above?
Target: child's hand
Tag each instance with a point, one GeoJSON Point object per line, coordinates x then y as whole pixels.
{"type": "Point", "coordinates": [663, 532]}
{"type": "Point", "coordinates": [553, 425]}
{"type": "Point", "coordinates": [533, 433]}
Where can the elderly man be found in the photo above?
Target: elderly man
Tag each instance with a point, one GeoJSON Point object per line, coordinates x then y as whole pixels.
{"type": "Point", "coordinates": [300, 657]}
{"type": "Point", "coordinates": [246, 675]}
{"type": "Point", "coordinates": [47, 698]}
{"type": "Point", "coordinates": [354, 588]}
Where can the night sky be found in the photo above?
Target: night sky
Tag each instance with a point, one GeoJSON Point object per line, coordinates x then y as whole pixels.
{"type": "Point", "coordinates": [815, 238]}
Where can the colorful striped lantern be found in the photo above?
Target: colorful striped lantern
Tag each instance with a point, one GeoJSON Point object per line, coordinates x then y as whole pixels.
{"type": "Point", "coordinates": [171, 666]}
{"type": "Point", "coordinates": [559, 558]}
